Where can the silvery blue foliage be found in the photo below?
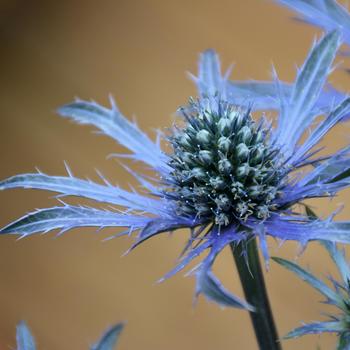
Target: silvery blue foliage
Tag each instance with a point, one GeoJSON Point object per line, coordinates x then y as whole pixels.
{"type": "Point", "coordinates": [108, 341]}
{"type": "Point", "coordinates": [228, 178]}
{"type": "Point", "coordinates": [264, 95]}
{"type": "Point", "coordinates": [326, 14]}
{"type": "Point", "coordinates": [25, 340]}
{"type": "Point", "coordinates": [339, 296]}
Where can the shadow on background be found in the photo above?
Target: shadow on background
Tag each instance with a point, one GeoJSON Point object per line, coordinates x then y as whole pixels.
{"type": "Point", "coordinates": [70, 288]}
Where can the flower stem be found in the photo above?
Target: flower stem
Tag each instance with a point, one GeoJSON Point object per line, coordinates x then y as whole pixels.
{"type": "Point", "coordinates": [253, 284]}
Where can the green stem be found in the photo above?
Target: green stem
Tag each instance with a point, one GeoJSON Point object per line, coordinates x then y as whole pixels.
{"type": "Point", "coordinates": [253, 284]}
{"type": "Point", "coordinates": [342, 342]}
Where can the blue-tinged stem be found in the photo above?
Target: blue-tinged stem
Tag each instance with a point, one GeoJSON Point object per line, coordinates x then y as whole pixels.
{"type": "Point", "coordinates": [253, 284]}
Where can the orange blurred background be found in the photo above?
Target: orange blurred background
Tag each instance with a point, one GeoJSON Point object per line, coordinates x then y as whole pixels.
{"type": "Point", "coordinates": [69, 289]}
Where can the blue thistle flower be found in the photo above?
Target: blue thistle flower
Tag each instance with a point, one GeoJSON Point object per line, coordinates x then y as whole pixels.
{"type": "Point", "coordinates": [339, 296]}
{"type": "Point", "coordinates": [228, 178]}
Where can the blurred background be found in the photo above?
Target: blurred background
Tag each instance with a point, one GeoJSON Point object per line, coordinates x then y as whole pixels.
{"type": "Point", "coordinates": [70, 288]}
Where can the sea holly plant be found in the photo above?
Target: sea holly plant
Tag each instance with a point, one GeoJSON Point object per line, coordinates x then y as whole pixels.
{"type": "Point", "coordinates": [108, 341]}
{"type": "Point", "coordinates": [339, 296]}
{"type": "Point", "coordinates": [230, 178]}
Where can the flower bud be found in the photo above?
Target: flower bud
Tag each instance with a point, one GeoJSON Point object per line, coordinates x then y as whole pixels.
{"type": "Point", "coordinates": [225, 166]}
{"type": "Point", "coordinates": [257, 154]}
{"type": "Point", "coordinates": [198, 173]}
{"type": "Point", "coordinates": [217, 182]}
{"type": "Point", "coordinates": [223, 202]}
{"type": "Point", "coordinates": [224, 144]}
{"type": "Point", "coordinates": [206, 157]}
{"type": "Point", "coordinates": [245, 134]}
{"type": "Point", "coordinates": [203, 137]}
{"type": "Point", "coordinates": [242, 151]}
{"type": "Point", "coordinates": [185, 140]}
{"type": "Point", "coordinates": [224, 126]}
{"type": "Point", "coordinates": [243, 171]}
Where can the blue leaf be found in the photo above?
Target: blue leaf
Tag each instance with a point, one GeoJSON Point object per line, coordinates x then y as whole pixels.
{"type": "Point", "coordinates": [323, 128]}
{"type": "Point", "coordinates": [335, 169]}
{"type": "Point", "coordinates": [209, 81]}
{"type": "Point", "coordinates": [71, 186]}
{"type": "Point", "coordinates": [109, 339]}
{"type": "Point", "coordinates": [68, 217]}
{"type": "Point", "coordinates": [115, 125]}
{"type": "Point", "coordinates": [331, 295]}
{"type": "Point", "coordinates": [25, 340]}
{"type": "Point", "coordinates": [297, 193]}
{"type": "Point", "coordinates": [303, 230]}
{"type": "Point", "coordinates": [160, 225]}
{"type": "Point", "coordinates": [263, 95]}
{"type": "Point", "coordinates": [260, 94]}
{"type": "Point", "coordinates": [207, 284]}
{"type": "Point", "coordinates": [185, 260]}
{"type": "Point", "coordinates": [338, 257]}
{"type": "Point", "coordinates": [309, 83]}
{"type": "Point", "coordinates": [210, 286]}
{"type": "Point", "coordinates": [326, 14]}
{"type": "Point", "coordinates": [316, 328]}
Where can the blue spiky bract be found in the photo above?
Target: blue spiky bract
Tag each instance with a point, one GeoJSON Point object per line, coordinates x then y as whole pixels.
{"type": "Point", "coordinates": [25, 340]}
{"type": "Point", "coordinates": [326, 14]}
{"type": "Point", "coordinates": [108, 341]}
{"type": "Point", "coordinates": [338, 296]}
{"type": "Point", "coordinates": [229, 177]}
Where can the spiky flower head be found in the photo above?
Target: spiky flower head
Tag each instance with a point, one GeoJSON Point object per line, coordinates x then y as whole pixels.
{"type": "Point", "coordinates": [339, 297]}
{"type": "Point", "coordinates": [228, 178]}
{"type": "Point", "coordinates": [224, 167]}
